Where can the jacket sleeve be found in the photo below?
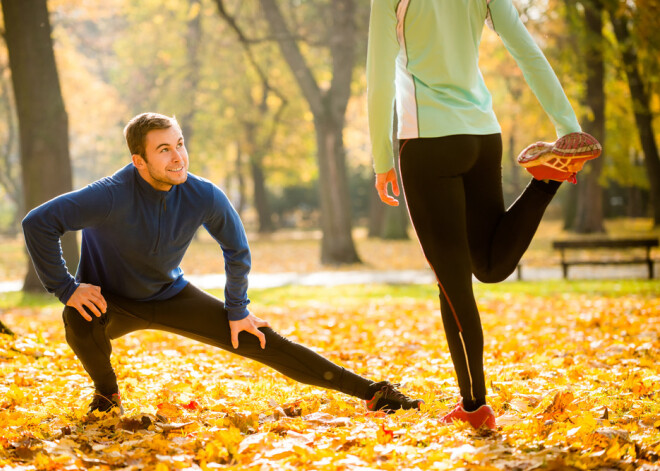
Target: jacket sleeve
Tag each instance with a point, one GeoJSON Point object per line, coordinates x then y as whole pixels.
{"type": "Point", "coordinates": [45, 224]}
{"type": "Point", "coordinates": [382, 51]}
{"type": "Point", "coordinates": [225, 226]}
{"type": "Point", "coordinates": [535, 67]}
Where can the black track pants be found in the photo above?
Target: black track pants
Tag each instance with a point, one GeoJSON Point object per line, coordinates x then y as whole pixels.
{"type": "Point", "coordinates": [200, 316]}
{"type": "Point", "coordinates": [453, 188]}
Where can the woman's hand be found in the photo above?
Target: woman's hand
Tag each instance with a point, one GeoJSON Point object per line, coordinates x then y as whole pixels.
{"type": "Point", "coordinates": [382, 179]}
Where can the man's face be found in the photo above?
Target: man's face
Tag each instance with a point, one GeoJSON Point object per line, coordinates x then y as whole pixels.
{"type": "Point", "coordinates": [166, 162]}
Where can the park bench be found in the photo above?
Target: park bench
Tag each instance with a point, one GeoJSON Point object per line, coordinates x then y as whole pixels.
{"type": "Point", "coordinates": [629, 257]}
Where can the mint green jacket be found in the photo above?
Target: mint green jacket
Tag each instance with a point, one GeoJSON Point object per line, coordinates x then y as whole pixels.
{"type": "Point", "coordinates": [425, 54]}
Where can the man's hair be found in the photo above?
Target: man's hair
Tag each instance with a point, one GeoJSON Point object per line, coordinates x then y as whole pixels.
{"type": "Point", "coordinates": [137, 128]}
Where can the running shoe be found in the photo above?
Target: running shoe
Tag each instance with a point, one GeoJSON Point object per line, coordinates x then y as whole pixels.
{"type": "Point", "coordinates": [562, 159]}
{"type": "Point", "coordinates": [104, 403]}
{"type": "Point", "coordinates": [482, 417]}
{"type": "Point", "coordinates": [388, 399]}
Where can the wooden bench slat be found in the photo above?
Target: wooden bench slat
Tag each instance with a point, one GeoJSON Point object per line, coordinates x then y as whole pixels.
{"type": "Point", "coordinates": [595, 244]}
{"type": "Point", "coordinates": [607, 262]}
{"type": "Point", "coordinates": [604, 243]}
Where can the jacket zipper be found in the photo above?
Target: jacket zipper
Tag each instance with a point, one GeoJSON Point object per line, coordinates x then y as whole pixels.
{"type": "Point", "coordinates": [161, 210]}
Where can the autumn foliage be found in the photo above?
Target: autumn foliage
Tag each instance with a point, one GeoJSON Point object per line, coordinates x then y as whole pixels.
{"type": "Point", "coordinates": [573, 374]}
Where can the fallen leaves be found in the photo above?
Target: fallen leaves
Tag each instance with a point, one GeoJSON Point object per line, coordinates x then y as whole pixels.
{"type": "Point", "coordinates": [573, 378]}
{"type": "Point", "coordinates": [559, 409]}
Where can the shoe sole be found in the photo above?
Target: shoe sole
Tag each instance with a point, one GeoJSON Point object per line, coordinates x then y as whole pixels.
{"type": "Point", "coordinates": [560, 160]}
{"type": "Point", "coordinates": [573, 145]}
{"type": "Point", "coordinates": [577, 144]}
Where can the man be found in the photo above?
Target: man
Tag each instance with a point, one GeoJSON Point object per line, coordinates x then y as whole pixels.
{"type": "Point", "coordinates": [136, 226]}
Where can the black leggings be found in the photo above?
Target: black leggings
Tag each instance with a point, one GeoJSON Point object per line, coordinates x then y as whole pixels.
{"type": "Point", "coordinates": [200, 316]}
{"type": "Point", "coordinates": [453, 188]}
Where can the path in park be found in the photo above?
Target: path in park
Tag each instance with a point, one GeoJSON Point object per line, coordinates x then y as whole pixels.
{"type": "Point", "coordinates": [357, 277]}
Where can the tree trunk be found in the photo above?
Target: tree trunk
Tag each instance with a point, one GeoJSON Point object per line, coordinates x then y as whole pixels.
{"type": "Point", "coordinates": [10, 170]}
{"type": "Point", "coordinates": [389, 222]}
{"type": "Point", "coordinates": [337, 242]}
{"type": "Point", "coordinates": [589, 211]}
{"type": "Point", "coordinates": [257, 148]}
{"type": "Point", "coordinates": [259, 143]}
{"type": "Point", "coordinates": [642, 110]}
{"type": "Point", "coordinates": [569, 205]}
{"type": "Point", "coordinates": [261, 198]}
{"type": "Point", "coordinates": [240, 179]}
{"type": "Point", "coordinates": [516, 181]}
{"type": "Point", "coordinates": [395, 226]}
{"type": "Point", "coordinates": [576, 41]}
{"type": "Point", "coordinates": [328, 108]}
{"type": "Point", "coordinates": [376, 215]}
{"type": "Point", "coordinates": [42, 119]}
{"type": "Point", "coordinates": [396, 223]}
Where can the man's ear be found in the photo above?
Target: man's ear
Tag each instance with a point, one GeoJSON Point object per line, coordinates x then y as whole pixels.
{"type": "Point", "coordinates": [138, 161]}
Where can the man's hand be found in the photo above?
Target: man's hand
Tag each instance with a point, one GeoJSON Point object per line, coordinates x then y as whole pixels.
{"type": "Point", "coordinates": [251, 324]}
{"type": "Point", "coordinates": [88, 296]}
{"type": "Point", "coordinates": [382, 179]}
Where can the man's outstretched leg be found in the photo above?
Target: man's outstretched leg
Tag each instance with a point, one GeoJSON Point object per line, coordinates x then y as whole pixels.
{"type": "Point", "coordinates": [198, 315]}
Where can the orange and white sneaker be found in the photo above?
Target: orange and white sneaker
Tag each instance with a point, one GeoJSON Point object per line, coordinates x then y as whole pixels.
{"type": "Point", "coordinates": [562, 159]}
{"type": "Point", "coordinates": [482, 417]}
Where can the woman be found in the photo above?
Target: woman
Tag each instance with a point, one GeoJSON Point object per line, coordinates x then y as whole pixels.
{"type": "Point", "coordinates": [424, 53]}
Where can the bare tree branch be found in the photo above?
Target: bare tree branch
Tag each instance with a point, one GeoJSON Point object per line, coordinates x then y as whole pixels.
{"type": "Point", "coordinates": [246, 43]}
{"type": "Point", "coordinates": [293, 56]}
{"type": "Point", "coordinates": [342, 46]}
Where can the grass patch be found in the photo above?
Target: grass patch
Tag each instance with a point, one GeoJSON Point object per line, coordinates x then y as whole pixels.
{"type": "Point", "coordinates": [365, 293]}
{"type": "Point", "coordinates": [546, 288]}
{"type": "Point", "coordinates": [21, 299]}
{"type": "Point", "coordinates": [356, 294]}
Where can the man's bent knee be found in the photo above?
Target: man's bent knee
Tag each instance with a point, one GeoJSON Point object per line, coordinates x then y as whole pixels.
{"type": "Point", "coordinates": [76, 324]}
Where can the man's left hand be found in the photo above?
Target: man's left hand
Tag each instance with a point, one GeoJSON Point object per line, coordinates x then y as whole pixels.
{"type": "Point", "coordinates": [250, 324]}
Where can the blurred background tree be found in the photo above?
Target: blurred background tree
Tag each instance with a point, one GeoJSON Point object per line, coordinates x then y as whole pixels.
{"type": "Point", "coordinates": [42, 120]}
{"type": "Point", "coordinates": [637, 25]}
{"type": "Point", "coordinates": [271, 97]}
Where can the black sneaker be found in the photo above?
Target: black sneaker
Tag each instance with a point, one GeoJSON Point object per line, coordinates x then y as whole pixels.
{"type": "Point", "coordinates": [389, 399]}
{"type": "Point", "coordinates": [104, 403]}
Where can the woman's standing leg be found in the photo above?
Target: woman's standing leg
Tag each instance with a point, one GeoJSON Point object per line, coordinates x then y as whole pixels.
{"type": "Point", "coordinates": [453, 188]}
{"type": "Point", "coordinates": [432, 175]}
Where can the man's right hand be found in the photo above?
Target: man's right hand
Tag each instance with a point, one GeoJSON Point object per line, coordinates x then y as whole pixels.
{"type": "Point", "coordinates": [88, 296]}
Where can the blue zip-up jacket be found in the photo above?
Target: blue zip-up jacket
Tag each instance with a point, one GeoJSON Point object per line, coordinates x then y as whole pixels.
{"type": "Point", "coordinates": [134, 238]}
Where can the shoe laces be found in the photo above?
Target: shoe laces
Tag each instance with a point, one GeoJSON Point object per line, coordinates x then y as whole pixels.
{"type": "Point", "coordinates": [101, 399]}
{"type": "Point", "coordinates": [390, 391]}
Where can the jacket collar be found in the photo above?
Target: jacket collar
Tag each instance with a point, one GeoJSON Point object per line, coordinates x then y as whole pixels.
{"type": "Point", "coordinates": [149, 191]}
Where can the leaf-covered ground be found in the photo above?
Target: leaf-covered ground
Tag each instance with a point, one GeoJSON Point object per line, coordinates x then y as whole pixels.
{"type": "Point", "coordinates": [573, 372]}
